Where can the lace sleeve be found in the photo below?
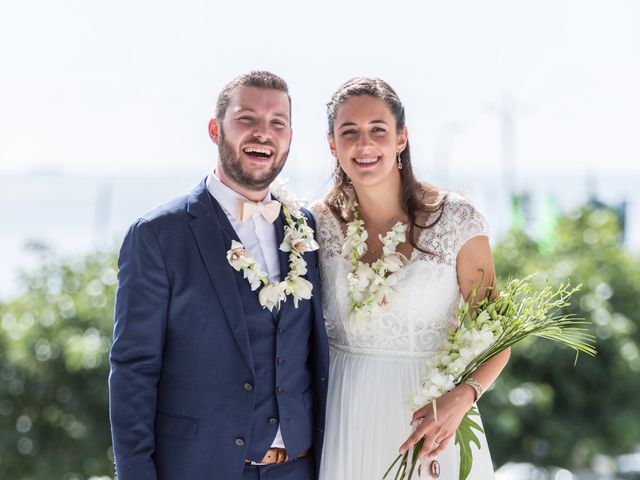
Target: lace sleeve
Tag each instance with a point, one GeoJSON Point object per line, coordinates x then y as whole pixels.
{"type": "Point", "coordinates": [469, 223]}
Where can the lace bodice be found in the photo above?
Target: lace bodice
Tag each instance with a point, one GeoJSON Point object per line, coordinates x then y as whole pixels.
{"type": "Point", "coordinates": [417, 317]}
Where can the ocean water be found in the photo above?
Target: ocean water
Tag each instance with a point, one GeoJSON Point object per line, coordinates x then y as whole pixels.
{"type": "Point", "coordinates": [75, 214]}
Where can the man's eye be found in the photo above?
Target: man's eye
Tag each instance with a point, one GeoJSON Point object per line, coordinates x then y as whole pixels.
{"type": "Point", "coordinates": [378, 130]}
{"type": "Point", "coordinates": [279, 123]}
{"type": "Point", "coordinates": [348, 132]}
{"type": "Point", "coordinates": [245, 119]}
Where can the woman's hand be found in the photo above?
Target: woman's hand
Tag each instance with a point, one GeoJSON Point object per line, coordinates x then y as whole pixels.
{"type": "Point", "coordinates": [451, 409]}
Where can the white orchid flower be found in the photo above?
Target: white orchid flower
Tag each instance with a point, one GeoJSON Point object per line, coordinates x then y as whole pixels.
{"type": "Point", "coordinates": [272, 295]}
{"type": "Point", "coordinates": [236, 254]}
{"type": "Point", "coordinates": [255, 278]}
{"type": "Point", "coordinates": [298, 266]}
{"type": "Point", "coordinates": [299, 289]}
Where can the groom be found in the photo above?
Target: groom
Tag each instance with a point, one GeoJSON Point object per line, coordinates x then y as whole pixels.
{"type": "Point", "coordinates": [207, 383]}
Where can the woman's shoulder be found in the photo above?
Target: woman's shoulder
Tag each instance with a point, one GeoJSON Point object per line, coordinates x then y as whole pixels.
{"type": "Point", "coordinates": [455, 199]}
{"type": "Point", "coordinates": [452, 222]}
{"type": "Point", "coordinates": [445, 206]}
{"type": "Point", "coordinates": [318, 207]}
{"type": "Point", "coordinates": [460, 209]}
{"type": "Point", "coordinates": [328, 228]}
{"type": "Point", "coordinates": [464, 218]}
{"type": "Point", "coordinates": [324, 215]}
{"type": "Point", "coordinates": [321, 210]}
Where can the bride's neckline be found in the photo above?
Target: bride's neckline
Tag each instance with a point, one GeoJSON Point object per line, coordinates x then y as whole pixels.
{"type": "Point", "coordinates": [342, 228]}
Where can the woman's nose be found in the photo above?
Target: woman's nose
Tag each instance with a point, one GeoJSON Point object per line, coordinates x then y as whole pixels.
{"type": "Point", "coordinates": [363, 140]}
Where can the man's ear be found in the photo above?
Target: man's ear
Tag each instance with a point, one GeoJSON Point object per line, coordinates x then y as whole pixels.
{"type": "Point", "coordinates": [332, 146]}
{"type": "Point", "coordinates": [214, 130]}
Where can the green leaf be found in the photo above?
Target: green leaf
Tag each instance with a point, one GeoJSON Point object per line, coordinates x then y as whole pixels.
{"type": "Point", "coordinates": [465, 435]}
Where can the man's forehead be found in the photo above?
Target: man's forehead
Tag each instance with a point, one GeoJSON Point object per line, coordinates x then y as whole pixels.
{"type": "Point", "coordinates": [255, 98]}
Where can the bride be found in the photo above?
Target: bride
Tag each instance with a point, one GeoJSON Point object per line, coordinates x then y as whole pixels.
{"type": "Point", "coordinates": [396, 256]}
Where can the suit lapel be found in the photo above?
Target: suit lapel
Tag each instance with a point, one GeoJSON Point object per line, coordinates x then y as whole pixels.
{"type": "Point", "coordinates": [283, 257]}
{"type": "Point", "coordinates": [213, 234]}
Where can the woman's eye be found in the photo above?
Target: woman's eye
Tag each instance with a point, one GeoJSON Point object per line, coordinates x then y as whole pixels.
{"type": "Point", "coordinates": [348, 132]}
{"type": "Point", "coordinates": [378, 130]}
{"type": "Point", "coordinates": [245, 119]}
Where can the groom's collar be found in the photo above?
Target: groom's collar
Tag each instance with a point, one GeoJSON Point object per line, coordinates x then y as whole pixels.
{"type": "Point", "coordinates": [227, 197]}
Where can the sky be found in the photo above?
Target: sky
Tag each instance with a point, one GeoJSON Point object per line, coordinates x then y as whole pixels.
{"type": "Point", "coordinates": [127, 87]}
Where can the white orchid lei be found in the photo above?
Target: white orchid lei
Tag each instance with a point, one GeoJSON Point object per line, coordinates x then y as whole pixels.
{"type": "Point", "coordinates": [370, 286]}
{"type": "Point", "coordinates": [483, 329]}
{"type": "Point", "coordinates": [298, 238]}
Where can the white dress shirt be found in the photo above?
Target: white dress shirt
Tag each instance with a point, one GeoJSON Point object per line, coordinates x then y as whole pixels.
{"type": "Point", "coordinates": [256, 234]}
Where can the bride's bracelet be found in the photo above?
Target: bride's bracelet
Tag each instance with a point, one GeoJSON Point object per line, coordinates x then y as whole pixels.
{"type": "Point", "coordinates": [477, 387]}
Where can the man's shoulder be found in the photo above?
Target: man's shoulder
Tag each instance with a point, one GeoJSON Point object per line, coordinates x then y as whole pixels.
{"type": "Point", "coordinates": [176, 210]}
{"type": "Point", "coordinates": [168, 217]}
{"type": "Point", "coordinates": [170, 211]}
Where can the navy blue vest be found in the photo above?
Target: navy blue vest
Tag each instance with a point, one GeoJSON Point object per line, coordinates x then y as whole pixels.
{"type": "Point", "coordinates": [280, 348]}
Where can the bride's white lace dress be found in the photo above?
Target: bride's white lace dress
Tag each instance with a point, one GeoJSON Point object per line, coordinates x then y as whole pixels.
{"type": "Point", "coordinates": [372, 374]}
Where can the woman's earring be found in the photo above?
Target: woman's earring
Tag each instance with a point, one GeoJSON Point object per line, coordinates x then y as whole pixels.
{"type": "Point", "coordinates": [399, 161]}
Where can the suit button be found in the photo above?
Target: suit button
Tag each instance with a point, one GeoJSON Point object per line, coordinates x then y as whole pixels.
{"type": "Point", "coordinates": [279, 361]}
{"type": "Point", "coordinates": [273, 421]}
{"type": "Point", "coordinates": [239, 442]}
{"type": "Point", "coordinates": [280, 331]}
{"type": "Point", "coordinates": [248, 387]}
{"type": "Point", "coordinates": [279, 391]}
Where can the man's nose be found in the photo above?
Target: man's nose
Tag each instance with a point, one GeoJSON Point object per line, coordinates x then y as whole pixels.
{"type": "Point", "coordinates": [261, 131]}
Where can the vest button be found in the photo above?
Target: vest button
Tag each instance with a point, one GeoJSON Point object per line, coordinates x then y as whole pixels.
{"type": "Point", "coordinates": [248, 387]}
{"type": "Point", "coordinates": [279, 361]}
{"type": "Point", "coordinates": [279, 391]}
{"type": "Point", "coordinates": [239, 442]}
{"type": "Point", "coordinates": [273, 421]}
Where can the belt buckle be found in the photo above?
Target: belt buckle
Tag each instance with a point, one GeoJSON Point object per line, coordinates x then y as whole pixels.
{"type": "Point", "coordinates": [281, 455]}
{"type": "Point", "coordinates": [274, 456]}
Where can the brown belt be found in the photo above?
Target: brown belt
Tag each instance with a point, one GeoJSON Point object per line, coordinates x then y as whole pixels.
{"type": "Point", "coordinates": [276, 455]}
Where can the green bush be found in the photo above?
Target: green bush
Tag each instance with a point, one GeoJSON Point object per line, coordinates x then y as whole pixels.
{"type": "Point", "coordinates": [54, 344]}
{"type": "Point", "coordinates": [544, 409]}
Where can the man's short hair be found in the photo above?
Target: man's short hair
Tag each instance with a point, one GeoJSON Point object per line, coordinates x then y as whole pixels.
{"type": "Point", "coordinates": [258, 79]}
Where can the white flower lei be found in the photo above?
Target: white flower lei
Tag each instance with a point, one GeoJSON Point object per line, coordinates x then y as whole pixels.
{"type": "Point", "coordinates": [298, 238]}
{"type": "Point", "coordinates": [370, 286]}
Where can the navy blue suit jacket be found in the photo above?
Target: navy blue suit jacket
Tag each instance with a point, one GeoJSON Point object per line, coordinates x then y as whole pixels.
{"type": "Point", "coordinates": [180, 405]}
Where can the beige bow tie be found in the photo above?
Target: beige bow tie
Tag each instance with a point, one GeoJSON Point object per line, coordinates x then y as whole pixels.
{"type": "Point", "coordinates": [269, 210]}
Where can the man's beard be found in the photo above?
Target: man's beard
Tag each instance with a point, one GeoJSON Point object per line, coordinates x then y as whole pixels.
{"type": "Point", "coordinates": [232, 167]}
